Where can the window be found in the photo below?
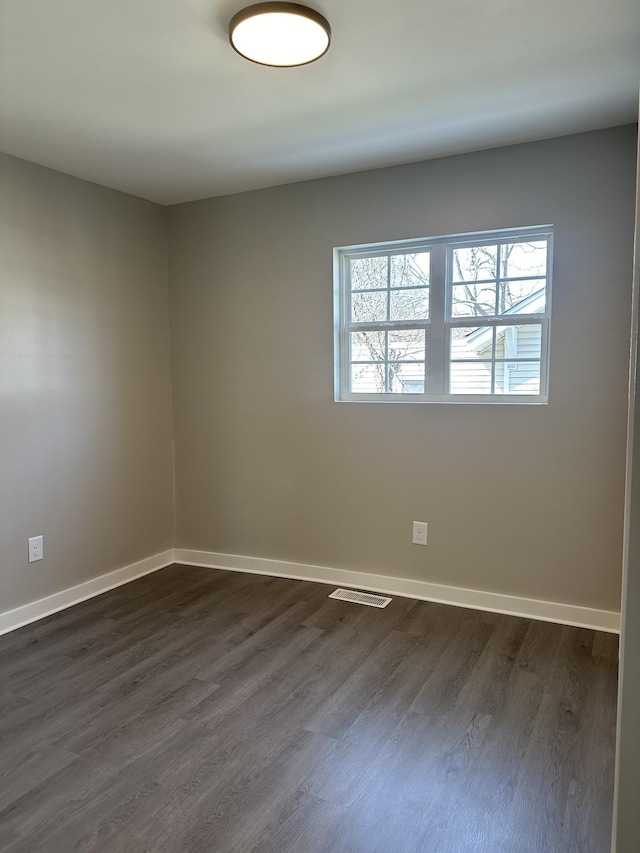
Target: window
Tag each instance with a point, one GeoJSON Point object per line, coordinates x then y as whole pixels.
{"type": "Point", "coordinates": [452, 319]}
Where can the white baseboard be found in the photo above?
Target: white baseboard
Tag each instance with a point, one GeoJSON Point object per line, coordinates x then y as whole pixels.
{"type": "Point", "coordinates": [530, 608]}
{"type": "Point", "coordinates": [12, 619]}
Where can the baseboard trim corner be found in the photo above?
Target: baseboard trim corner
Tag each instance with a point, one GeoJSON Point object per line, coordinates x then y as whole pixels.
{"type": "Point", "coordinates": [529, 608]}
{"type": "Point", "coordinates": [546, 611]}
{"type": "Point", "coordinates": [10, 620]}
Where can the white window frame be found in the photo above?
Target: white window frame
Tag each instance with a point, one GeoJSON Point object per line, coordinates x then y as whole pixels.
{"type": "Point", "coordinates": [437, 327]}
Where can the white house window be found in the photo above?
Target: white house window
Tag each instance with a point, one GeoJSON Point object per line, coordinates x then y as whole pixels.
{"type": "Point", "coordinates": [450, 319]}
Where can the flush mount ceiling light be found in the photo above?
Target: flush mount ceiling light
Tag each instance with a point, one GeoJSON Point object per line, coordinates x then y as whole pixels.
{"type": "Point", "coordinates": [280, 34]}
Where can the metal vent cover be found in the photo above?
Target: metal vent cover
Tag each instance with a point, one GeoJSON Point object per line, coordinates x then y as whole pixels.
{"type": "Point", "coordinates": [360, 597]}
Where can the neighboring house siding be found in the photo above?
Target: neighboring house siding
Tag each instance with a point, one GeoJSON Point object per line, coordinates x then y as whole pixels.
{"type": "Point", "coordinates": [528, 342]}
{"type": "Point", "coordinates": [516, 342]}
{"type": "Point", "coordinates": [521, 378]}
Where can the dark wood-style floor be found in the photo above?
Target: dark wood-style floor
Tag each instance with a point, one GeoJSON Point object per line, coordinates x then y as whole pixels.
{"type": "Point", "coordinates": [199, 710]}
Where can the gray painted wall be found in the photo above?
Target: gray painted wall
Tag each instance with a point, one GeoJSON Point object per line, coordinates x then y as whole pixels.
{"type": "Point", "coordinates": [85, 402]}
{"type": "Point", "coordinates": [267, 464]}
{"type": "Point", "coordinates": [626, 821]}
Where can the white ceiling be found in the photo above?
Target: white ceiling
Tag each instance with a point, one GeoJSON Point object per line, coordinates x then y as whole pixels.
{"type": "Point", "coordinates": [147, 96]}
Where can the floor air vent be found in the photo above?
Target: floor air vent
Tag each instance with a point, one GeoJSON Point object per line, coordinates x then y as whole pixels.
{"type": "Point", "coordinates": [360, 597]}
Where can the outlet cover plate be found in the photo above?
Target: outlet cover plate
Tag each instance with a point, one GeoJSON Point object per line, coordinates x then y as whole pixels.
{"type": "Point", "coordinates": [36, 548]}
{"type": "Point", "coordinates": [419, 533]}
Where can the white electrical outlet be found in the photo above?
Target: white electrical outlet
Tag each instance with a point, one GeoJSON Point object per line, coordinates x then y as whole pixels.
{"type": "Point", "coordinates": [419, 533]}
{"type": "Point", "coordinates": [36, 548]}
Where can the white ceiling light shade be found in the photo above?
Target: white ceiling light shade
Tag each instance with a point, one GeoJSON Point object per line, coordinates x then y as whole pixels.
{"type": "Point", "coordinates": [280, 34]}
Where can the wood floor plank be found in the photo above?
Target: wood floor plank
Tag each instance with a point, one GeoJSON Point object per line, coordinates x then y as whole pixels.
{"type": "Point", "coordinates": [485, 688]}
{"type": "Point", "coordinates": [454, 664]}
{"type": "Point", "coordinates": [587, 820]}
{"type": "Point", "coordinates": [335, 716]}
{"type": "Point", "coordinates": [201, 710]}
{"type": "Point", "coordinates": [304, 823]}
{"type": "Point", "coordinates": [355, 764]}
{"type": "Point", "coordinates": [606, 645]}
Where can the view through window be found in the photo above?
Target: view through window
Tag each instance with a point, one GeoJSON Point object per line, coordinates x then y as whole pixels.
{"type": "Point", "coordinates": [457, 319]}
